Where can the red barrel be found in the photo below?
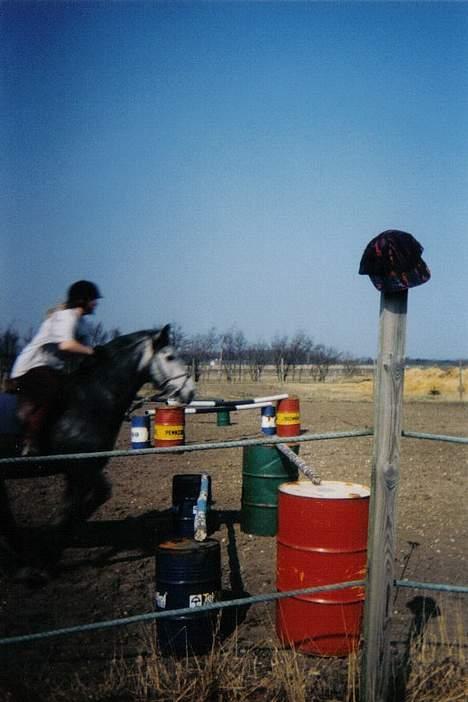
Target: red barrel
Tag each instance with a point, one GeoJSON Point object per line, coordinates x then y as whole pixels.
{"type": "Point", "coordinates": [288, 419]}
{"type": "Point", "coordinates": [169, 426]}
{"type": "Point", "coordinates": [322, 539]}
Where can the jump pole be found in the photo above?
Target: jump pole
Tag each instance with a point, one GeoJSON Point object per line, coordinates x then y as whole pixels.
{"type": "Point", "coordinates": [226, 408]}
{"type": "Point", "coordinates": [309, 472]}
{"type": "Point", "coordinates": [235, 403]}
{"type": "Point", "coordinates": [388, 402]}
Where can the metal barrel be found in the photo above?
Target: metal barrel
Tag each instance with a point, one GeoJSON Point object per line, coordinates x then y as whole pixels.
{"type": "Point", "coordinates": [169, 426]}
{"type": "Point", "coordinates": [322, 540]}
{"type": "Point", "coordinates": [185, 492]}
{"type": "Point", "coordinates": [141, 432]}
{"type": "Point", "coordinates": [288, 419]}
{"type": "Point", "coordinates": [268, 424]}
{"type": "Point", "coordinates": [223, 418]}
{"type": "Point", "coordinates": [188, 574]}
{"type": "Point", "coordinates": [264, 469]}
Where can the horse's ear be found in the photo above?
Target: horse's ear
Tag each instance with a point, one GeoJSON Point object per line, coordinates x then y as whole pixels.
{"type": "Point", "coordinates": [162, 337]}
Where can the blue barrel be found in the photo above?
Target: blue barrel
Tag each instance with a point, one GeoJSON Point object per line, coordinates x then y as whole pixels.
{"type": "Point", "coordinates": [141, 432]}
{"type": "Point", "coordinates": [269, 420]}
{"type": "Point", "coordinates": [185, 491]}
{"type": "Point", "coordinates": [188, 574]}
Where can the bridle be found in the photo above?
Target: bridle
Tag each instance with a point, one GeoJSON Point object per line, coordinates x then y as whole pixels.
{"type": "Point", "coordinates": [162, 386]}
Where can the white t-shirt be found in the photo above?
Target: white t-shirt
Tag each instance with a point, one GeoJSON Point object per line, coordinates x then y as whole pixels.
{"type": "Point", "coordinates": [43, 350]}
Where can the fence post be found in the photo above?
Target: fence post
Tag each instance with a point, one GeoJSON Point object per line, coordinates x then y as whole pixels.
{"type": "Point", "coordinates": [388, 400]}
{"type": "Point", "coordinates": [461, 388]}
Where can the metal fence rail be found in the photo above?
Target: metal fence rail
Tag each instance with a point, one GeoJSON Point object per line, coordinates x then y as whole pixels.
{"type": "Point", "coordinates": [185, 448]}
{"type": "Point", "coordinates": [208, 446]}
{"type": "Point", "coordinates": [238, 602]}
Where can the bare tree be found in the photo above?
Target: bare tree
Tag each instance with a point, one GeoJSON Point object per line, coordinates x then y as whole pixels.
{"type": "Point", "coordinates": [322, 357]}
{"type": "Point", "coordinates": [300, 348]}
{"type": "Point", "coordinates": [227, 357]}
{"type": "Point", "coordinates": [257, 357]}
{"type": "Point", "coordinates": [288, 353]}
{"type": "Point", "coordinates": [279, 349]}
{"type": "Point", "coordinates": [349, 364]}
{"type": "Point", "coordinates": [200, 348]}
{"type": "Point", "coordinates": [178, 336]}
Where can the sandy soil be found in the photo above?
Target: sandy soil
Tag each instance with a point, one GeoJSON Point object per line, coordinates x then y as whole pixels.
{"type": "Point", "coordinates": [108, 570]}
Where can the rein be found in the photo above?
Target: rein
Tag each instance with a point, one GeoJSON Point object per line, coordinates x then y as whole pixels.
{"type": "Point", "coordinates": [174, 377]}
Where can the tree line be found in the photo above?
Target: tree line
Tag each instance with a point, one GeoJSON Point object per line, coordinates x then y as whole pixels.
{"type": "Point", "coordinates": [234, 358]}
{"type": "Point", "coordinates": [229, 353]}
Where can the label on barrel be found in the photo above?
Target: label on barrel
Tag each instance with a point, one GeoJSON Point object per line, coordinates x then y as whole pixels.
{"type": "Point", "coordinates": [202, 599]}
{"type": "Point", "coordinates": [268, 422]}
{"type": "Point", "coordinates": [288, 418]}
{"type": "Point", "coordinates": [161, 431]}
{"type": "Point", "coordinates": [140, 434]}
{"type": "Point", "coordinates": [161, 598]}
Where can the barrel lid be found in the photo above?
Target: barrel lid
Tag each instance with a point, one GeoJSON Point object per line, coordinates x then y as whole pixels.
{"type": "Point", "coordinates": [327, 490]}
{"type": "Point", "coordinates": [183, 544]}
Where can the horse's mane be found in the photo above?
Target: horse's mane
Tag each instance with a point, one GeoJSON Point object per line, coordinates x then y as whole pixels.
{"type": "Point", "coordinates": [107, 352]}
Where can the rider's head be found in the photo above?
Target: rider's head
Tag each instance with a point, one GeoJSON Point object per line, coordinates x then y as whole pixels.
{"type": "Point", "coordinates": [83, 294]}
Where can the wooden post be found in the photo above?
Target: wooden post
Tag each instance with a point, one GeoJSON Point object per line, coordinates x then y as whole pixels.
{"type": "Point", "coordinates": [388, 399]}
{"type": "Point", "coordinates": [461, 388]}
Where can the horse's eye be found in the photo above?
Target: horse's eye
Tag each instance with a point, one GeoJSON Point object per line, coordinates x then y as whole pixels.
{"type": "Point", "coordinates": [170, 357]}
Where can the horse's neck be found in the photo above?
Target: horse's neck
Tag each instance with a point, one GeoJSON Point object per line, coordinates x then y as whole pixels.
{"type": "Point", "coordinates": [122, 387]}
{"type": "Point", "coordinates": [110, 387]}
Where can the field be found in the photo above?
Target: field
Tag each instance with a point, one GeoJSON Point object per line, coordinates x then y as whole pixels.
{"type": "Point", "coordinates": [108, 570]}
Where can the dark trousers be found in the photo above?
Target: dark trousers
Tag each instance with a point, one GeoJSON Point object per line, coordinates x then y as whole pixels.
{"type": "Point", "coordinates": [39, 394]}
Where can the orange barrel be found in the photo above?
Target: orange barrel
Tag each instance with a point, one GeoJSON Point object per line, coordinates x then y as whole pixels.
{"type": "Point", "coordinates": [288, 420]}
{"type": "Point", "coordinates": [322, 539]}
{"type": "Point", "coordinates": [169, 426]}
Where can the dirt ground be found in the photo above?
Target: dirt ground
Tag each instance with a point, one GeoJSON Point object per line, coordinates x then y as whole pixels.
{"type": "Point", "coordinates": [108, 571]}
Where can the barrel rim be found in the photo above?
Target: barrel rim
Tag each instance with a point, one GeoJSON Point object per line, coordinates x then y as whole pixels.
{"type": "Point", "coordinates": [326, 490]}
{"type": "Point", "coordinates": [183, 543]}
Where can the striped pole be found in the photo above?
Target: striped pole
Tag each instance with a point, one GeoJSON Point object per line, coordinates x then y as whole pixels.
{"type": "Point", "coordinates": [236, 403]}
{"type": "Point", "coordinates": [226, 408]}
{"type": "Point", "coordinates": [200, 516]}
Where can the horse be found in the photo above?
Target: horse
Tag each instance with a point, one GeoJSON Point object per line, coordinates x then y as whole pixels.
{"type": "Point", "coordinates": [96, 397]}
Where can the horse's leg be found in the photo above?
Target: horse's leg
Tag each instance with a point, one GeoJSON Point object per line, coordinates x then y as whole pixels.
{"type": "Point", "coordinates": [28, 565]}
{"type": "Point", "coordinates": [85, 491]}
{"type": "Point", "coordinates": [8, 527]}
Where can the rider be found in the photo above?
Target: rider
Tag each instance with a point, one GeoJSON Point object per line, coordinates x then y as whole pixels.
{"type": "Point", "coordinates": [39, 368]}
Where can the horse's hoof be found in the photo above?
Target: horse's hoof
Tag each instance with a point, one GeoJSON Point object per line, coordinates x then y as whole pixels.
{"type": "Point", "coordinates": [34, 577]}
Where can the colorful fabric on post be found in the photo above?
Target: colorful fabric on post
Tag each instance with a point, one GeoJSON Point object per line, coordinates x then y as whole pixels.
{"type": "Point", "coordinates": [393, 262]}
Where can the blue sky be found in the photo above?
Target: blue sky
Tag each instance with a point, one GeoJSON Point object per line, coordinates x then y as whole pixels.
{"type": "Point", "coordinates": [220, 164]}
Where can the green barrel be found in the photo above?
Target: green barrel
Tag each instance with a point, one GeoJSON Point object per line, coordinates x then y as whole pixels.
{"type": "Point", "coordinates": [223, 418]}
{"type": "Point", "coordinates": [264, 469]}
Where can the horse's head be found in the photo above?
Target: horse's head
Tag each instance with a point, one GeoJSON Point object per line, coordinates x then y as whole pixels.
{"type": "Point", "coordinates": [167, 370]}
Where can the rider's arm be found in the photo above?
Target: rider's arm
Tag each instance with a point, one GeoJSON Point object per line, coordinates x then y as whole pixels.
{"type": "Point", "coordinates": [73, 346]}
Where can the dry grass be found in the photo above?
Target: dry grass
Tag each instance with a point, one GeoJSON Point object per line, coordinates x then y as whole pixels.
{"type": "Point", "coordinates": [432, 383]}
{"type": "Point", "coordinates": [436, 664]}
{"type": "Point", "coordinates": [429, 668]}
